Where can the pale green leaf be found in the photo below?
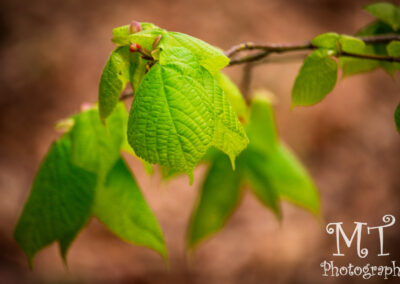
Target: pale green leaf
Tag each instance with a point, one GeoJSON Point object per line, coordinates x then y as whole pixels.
{"type": "Point", "coordinates": [386, 12]}
{"type": "Point", "coordinates": [209, 57]}
{"type": "Point", "coordinates": [233, 94]}
{"type": "Point", "coordinates": [171, 118]}
{"type": "Point", "coordinates": [317, 77]}
{"type": "Point", "coordinates": [60, 202]}
{"type": "Point", "coordinates": [326, 40]}
{"type": "Point", "coordinates": [115, 76]}
{"type": "Point", "coordinates": [229, 134]}
{"type": "Point", "coordinates": [121, 34]}
{"type": "Point", "coordinates": [96, 147]}
{"type": "Point", "coordinates": [351, 44]}
{"type": "Point", "coordinates": [219, 195]}
{"type": "Point", "coordinates": [351, 66]}
{"type": "Point", "coordinates": [121, 207]}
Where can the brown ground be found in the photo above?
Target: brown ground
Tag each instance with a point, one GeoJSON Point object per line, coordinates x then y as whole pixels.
{"type": "Point", "coordinates": [52, 53]}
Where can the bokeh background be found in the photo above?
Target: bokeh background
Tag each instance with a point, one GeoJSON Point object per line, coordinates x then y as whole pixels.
{"type": "Point", "coordinates": [51, 57]}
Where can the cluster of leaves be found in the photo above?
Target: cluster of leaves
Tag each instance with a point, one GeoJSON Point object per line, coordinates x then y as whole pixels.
{"type": "Point", "coordinates": [84, 175]}
{"type": "Point", "coordinates": [318, 75]}
{"type": "Point", "coordinates": [184, 111]}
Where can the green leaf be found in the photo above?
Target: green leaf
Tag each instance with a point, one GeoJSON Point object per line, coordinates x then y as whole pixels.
{"type": "Point", "coordinates": [262, 130]}
{"type": "Point", "coordinates": [234, 95]}
{"type": "Point", "coordinates": [95, 147]}
{"type": "Point", "coordinates": [178, 111]}
{"type": "Point", "coordinates": [272, 169]}
{"type": "Point", "coordinates": [121, 207]}
{"type": "Point", "coordinates": [387, 13]}
{"type": "Point", "coordinates": [209, 57]}
{"type": "Point", "coordinates": [219, 195]}
{"type": "Point", "coordinates": [351, 66]}
{"type": "Point", "coordinates": [113, 80]}
{"type": "Point", "coordinates": [60, 202]}
{"type": "Point", "coordinates": [375, 28]}
{"type": "Point", "coordinates": [397, 118]}
{"type": "Point", "coordinates": [351, 44]}
{"type": "Point", "coordinates": [393, 49]}
{"type": "Point", "coordinates": [316, 78]}
{"type": "Point", "coordinates": [258, 176]}
{"type": "Point", "coordinates": [326, 40]}
{"type": "Point", "coordinates": [170, 118]}
{"type": "Point", "coordinates": [121, 34]}
{"type": "Point", "coordinates": [229, 135]}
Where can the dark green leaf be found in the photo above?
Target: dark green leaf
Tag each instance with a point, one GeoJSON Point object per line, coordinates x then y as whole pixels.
{"type": "Point", "coordinates": [121, 207]}
{"type": "Point", "coordinates": [60, 202]}
{"type": "Point", "coordinates": [386, 12]}
{"type": "Point", "coordinates": [397, 118]}
{"type": "Point", "coordinates": [219, 195]}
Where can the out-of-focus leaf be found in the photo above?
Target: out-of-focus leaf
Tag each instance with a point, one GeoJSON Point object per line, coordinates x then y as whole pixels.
{"type": "Point", "coordinates": [386, 12]}
{"type": "Point", "coordinates": [96, 147]}
{"type": "Point", "coordinates": [393, 49]}
{"type": "Point", "coordinates": [326, 40]}
{"type": "Point", "coordinates": [60, 202]}
{"type": "Point", "coordinates": [121, 207]}
{"type": "Point", "coordinates": [351, 44]}
{"type": "Point", "coordinates": [219, 195]}
{"type": "Point", "coordinates": [397, 118]}
{"type": "Point", "coordinates": [316, 78]}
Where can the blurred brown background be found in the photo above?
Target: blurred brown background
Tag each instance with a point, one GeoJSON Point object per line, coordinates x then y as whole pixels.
{"type": "Point", "coordinates": [52, 54]}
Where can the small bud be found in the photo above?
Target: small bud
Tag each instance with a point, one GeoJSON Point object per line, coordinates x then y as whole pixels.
{"type": "Point", "coordinates": [134, 47]}
{"type": "Point", "coordinates": [135, 27]}
{"type": "Point", "coordinates": [156, 41]}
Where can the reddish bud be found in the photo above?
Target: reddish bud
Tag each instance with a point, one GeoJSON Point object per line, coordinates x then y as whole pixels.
{"type": "Point", "coordinates": [156, 41]}
{"type": "Point", "coordinates": [135, 27]}
{"type": "Point", "coordinates": [134, 47]}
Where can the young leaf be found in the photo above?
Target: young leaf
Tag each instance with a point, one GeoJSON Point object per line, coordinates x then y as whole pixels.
{"type": "Point", "coordinates": [121, 207]}
{"type": "Point", "coordinates": [178, 111]}
{"type": "Point", "coordinates": [397, 118]}
{"type": "Point", "coordinates": [351, 44]}
{"type": "Point", "coordinates": [121, 34]}
{"type": "Point", "coordinates": [170, 118]}
{"type": "Point", "coordinates": [316, 78]}
{"type": "Point", "coordinates": [233, 94]}
{"type": "Point", "coordinates": [60, 202]}
{"type": "Point", "coordinates": [95, 147]}
{"type": "Point", "coordinates": [113, 80]}
{"type": "Point", "coordinates": [393, 49]}
{"type": "Point", "coordinates": [387, 13]}
{"type": "Point", "coordinates": [258, 178]}
{"type": "Point", "coordinates": [351, 66]}
{"type": "Point", "coordinates": [209, 57]}
{"type": "Point", "coordinates": [229, 135]}
{"type": "Point", "coordinates": [271, 168]}
{"type": "Point", "coordinates": [219, 195]}
{"type": "Point", "coordinates": [326, 40]}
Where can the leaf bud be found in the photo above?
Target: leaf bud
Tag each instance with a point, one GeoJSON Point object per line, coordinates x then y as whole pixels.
{"type": "Point", "coordinates": [156, 41]}
{"type": "Point", "coordinates": [134, 47]}
{"type": "Point", "coordinates": [135, 27]}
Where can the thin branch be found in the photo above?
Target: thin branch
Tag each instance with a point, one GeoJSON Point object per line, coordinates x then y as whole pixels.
{"type": "Point", "coordinates": [267, 49]}
{"type": "Point", "coordinates": [126, 96]}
